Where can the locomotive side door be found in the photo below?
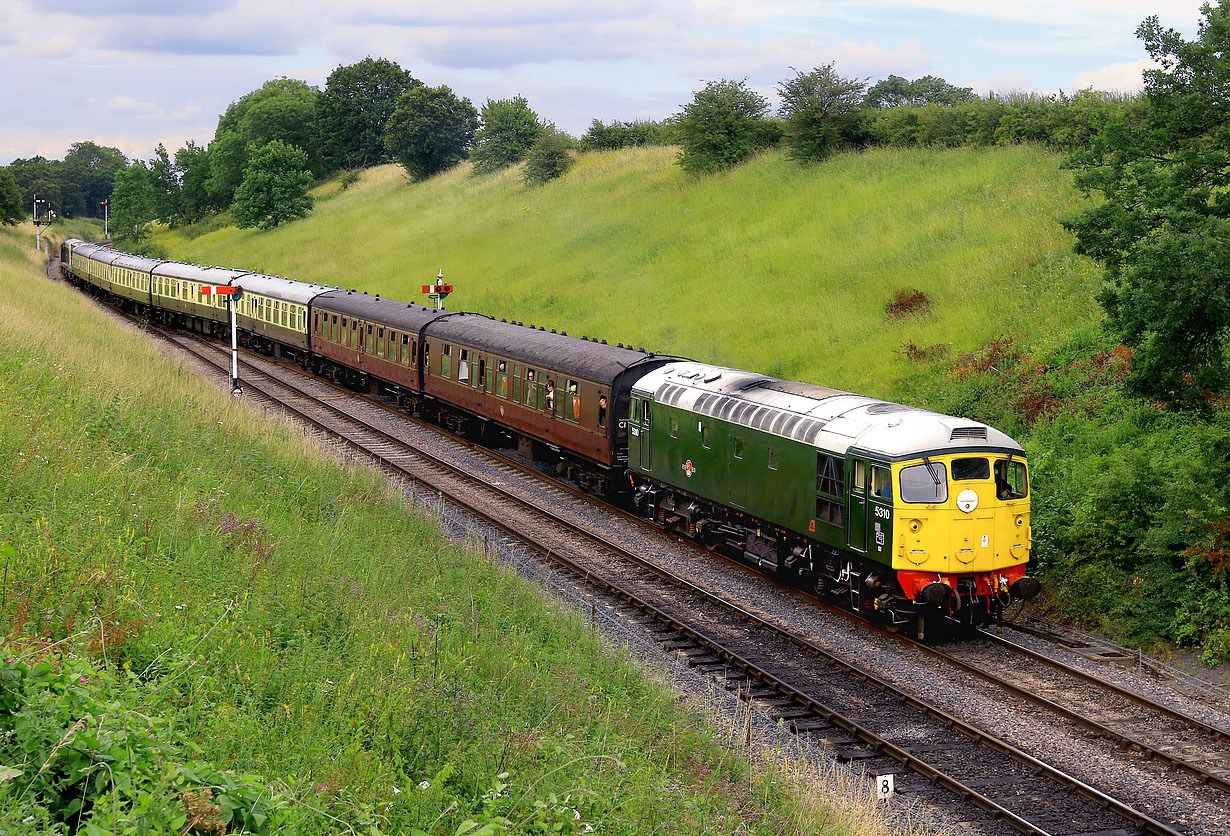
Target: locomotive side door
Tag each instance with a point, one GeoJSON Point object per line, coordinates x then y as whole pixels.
{"type": "Point", "coordinates": [856, 520]}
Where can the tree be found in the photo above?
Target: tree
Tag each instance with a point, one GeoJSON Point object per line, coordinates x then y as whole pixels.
{"type": "Point", "coordinates": [549, 158]}
{"type": "Point", "coordinates": [12, 209]}
{"type": "Point", "coordinates": [820, 111]}
{"type": "Point", "coordinates": [619, 134]}
{"type": "Point", "coordinates": [724, 124]}
{"type": "Point", "coordinates": [431, 130]}
{"type": "Point", "coordinates": [192, 163]}
{"type": "Point", "coordinates": [355, 109]}
{"type": "Point", "coordinates": [133, 203]}
{"type": "Point", "coordinates": [283, 109]}
{"type": "Point", "coordinates": [89, 175]}
{"type": "Point", "coordinates": [1162, 233]}
{"type": "Point", "coordinates": [509, 129]}
{"type": "Point", "coordinates": [275, 184]}
{"type": "Point", "coordinates": [165, 178]}
{"type": "Point", "coordinates": [895, 91]}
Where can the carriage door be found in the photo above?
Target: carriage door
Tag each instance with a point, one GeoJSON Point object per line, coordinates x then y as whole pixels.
{"type": "Point", "coordinates": [638, 434]}
{"type": "Point", "coordinates": [856, 523]}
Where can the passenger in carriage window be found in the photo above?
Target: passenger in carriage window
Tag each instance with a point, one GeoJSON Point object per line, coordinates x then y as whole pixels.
{"type": "Point", "coordinates": [550, 395]}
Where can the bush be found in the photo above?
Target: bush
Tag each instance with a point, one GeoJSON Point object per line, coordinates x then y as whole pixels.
{"type": "Point", "coordinates": [550, 157]}
{"type": "Point", "coordinates": [724, 124]}
{"type": "Point", "coordinates": [80, 752]}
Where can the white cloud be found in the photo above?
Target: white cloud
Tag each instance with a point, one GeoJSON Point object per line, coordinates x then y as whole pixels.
{"type": "Point", "coordinates": [1003, 83]}
{"type": "Point", "coordinates": [1125, 77]}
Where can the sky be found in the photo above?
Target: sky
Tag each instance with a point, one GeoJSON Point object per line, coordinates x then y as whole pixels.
{"type": "Point", "coordinates": [133, 73]}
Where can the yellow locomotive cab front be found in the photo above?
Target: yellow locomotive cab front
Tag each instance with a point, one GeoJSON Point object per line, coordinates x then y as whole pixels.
{"type": "Point", "coordinates": [963, 522]}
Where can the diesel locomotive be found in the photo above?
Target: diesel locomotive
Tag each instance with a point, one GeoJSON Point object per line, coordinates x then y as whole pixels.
{"type": "Point", "coordinates": [904, 515]}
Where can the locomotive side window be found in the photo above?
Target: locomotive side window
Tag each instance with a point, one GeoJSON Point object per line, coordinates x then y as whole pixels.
{"type": "Point", "coordinates": [772, 458]}
{"type": "Point", "coordinates": [674, 427]}
{"type": "Point", "coordinates": [925, 483]}
{"type": "Point", "coordinates": [738, 447]}
{"type": "Point", "coordinates": [1011, 481]}
{"type": "Point", "coordinates": [830, 488]}
{"type": "Point", "coordinates": [446, 361]}
{"type": "Point", "coordinates": [706, 437]}
{"type": "Point", "coordinates": [964, 469]}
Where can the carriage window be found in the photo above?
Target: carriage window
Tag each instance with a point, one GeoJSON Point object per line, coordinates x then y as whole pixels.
{"type": "Point", "coordinates": [482, 374]}
{"type": "Point", "coordinates": [1011, 481]}
{"type": "Point", "coordinates": [516, 384]}
{"type": "Point", "coordinates": [380, 342]}
{"type": "Point", "coordinates": [368, 343]}
{"type": "Point", "coordinates": [463, 366]}
{"type": "Point", "coordinates": [924, 483]}
{"type": "Point", "coordinates": [393, 356]}
{"type": "Point", "coordinates": [572, 409]}
{"type": "Point", "coordinates": [549, 395]}
{"type": "Point", "coordinates": [531, 389]}
{"type": "Point", "coordinates": [446, 361]}
{"type": "Point", "coordinates": [602, 409]}
{"type": "Point", "coordinates": [501, 380]}
{"type": "Point", "coordinates": [881, 482]}
{"type": "Point", "coordinates": [964, 469]}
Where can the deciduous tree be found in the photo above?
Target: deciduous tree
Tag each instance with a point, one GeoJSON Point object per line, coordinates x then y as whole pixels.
{"type": "Point", "coordinates": [133, 203]}
{"type": "Point", "coordinates": [431, 130]}
{"type": "Point", "coordinates": [11, 209]}
{"type": "Point", "coordinates": [275, 185]}
{"type": "Point", "coordinates": [354, 110]}
{"type": "Point", "coordinates": [725, 123]}
{"type": "Point", "coordinates": [509, 130]}
{"type": "Point", "coordinates": [819, 110]}
{"type": "Point", "coordinates": [1162, 230]}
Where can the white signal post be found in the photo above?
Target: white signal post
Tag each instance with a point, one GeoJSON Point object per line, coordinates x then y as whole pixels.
{"type": "Point", "coordinates": [438, 291]}
{"type": "Point", "coordinates": [106, 205]}
{"type": "Point", "coordinates": [235, 294]}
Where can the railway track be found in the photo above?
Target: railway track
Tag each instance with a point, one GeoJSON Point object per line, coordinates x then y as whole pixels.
{"type": "Point", "coordinates": [860, 717]}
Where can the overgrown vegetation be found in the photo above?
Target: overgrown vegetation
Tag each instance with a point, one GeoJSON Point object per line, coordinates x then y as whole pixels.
{"type": "Point", "coordinates": [210, 626]}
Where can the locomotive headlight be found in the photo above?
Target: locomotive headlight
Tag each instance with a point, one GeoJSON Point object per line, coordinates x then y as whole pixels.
{"type": "Point", "coordinates": [1020, 520]}
{"type": "Point", "coordinates": [915, 526]}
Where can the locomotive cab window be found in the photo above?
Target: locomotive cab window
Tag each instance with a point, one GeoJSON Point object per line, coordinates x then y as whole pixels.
{"type": "Point", "coordinates": [1011, 481]}
{"type": "Point", "coordinates": [924, 483]}
{"type": "Point", "coordinates": [881, 482]}
{"type": "Point", "coordinates": [967, 469]}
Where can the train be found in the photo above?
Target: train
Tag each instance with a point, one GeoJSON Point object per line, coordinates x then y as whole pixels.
{"type": "Point", "coordinates": [911, 518]}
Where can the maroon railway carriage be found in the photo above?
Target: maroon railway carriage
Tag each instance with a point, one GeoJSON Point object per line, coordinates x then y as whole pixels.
{"type": "Point", "coordinates": [555, 395]}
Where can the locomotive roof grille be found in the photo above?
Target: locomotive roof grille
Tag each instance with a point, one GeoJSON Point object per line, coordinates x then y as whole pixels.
{"type": "Point", "coordinates": [968, 432]}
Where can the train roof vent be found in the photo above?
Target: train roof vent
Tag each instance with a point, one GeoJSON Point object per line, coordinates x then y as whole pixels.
{"type": "Point", "coordinates": [968, 432]}
{"type": "Point", "coordinates": [887, 408]}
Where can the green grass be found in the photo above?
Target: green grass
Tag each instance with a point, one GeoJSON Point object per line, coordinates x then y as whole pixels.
{"type": "Point", "coordinates": [199, 574]}
{"type": "Point", "coordinates": [771, 266]}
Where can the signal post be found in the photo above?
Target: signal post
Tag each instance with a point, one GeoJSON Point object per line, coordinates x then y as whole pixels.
{"type": "Point", "coordinates": [234, 294]}
{"type": "Point", "coordinates": [438, 291]}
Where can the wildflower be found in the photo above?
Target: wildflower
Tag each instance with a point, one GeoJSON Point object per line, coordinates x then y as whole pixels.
{"type": "Point", "coordinates": [396, 791]}
{"type": "Point", "coordinates": [319, 787]}
{"type": "Point", "coordinates": [424, 785]}
{"type": "Point", "coordinates": [589, 828]}
{"type": "Point", "coordinates": [576, 815]}
{"type": "Point", "coordinates": [82, 679]}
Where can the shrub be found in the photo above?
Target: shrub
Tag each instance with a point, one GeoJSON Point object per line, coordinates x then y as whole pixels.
{"type": "Point", "coordinates": [906, 302]}
{"type": "Point", "coordinates": [548, 159]}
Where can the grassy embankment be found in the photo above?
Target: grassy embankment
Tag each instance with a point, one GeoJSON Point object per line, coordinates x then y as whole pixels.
{"type": "Point", "coordinates": [768, 267]}
{"type": "Point", "coordinates": [788, 270]}
{"type": "Point", "coordinates": [193, 598]}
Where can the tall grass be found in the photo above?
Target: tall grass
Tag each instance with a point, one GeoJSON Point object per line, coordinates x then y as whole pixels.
{"type": "Point", "coordinates": [275, 613]}
{"type": "Point", "coordinates": [771, 266]}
